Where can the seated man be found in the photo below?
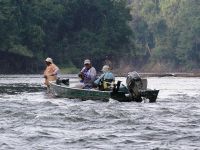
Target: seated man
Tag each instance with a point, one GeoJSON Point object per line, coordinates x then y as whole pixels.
{"type": "Point", "coordinates": [87, 75]}
{"type": "Point", "coordinates": [105, 81]}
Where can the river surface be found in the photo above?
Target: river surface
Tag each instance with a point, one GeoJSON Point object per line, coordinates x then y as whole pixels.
{"type": "Point", "coordinates": [30, 119]}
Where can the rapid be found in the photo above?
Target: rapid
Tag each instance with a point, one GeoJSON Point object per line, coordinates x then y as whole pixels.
{"type": "Point", "coordinates": [32, 119]}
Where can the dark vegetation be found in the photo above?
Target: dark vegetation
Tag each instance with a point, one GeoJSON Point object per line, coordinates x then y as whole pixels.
{"type": "Point", "coordinates": [11, 63]}
{"type": "Point", "coordinates": [147, 35]}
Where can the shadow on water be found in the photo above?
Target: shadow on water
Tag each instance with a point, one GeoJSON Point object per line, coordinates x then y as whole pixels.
{"type": "Point", "coordinates": [16, 84]}
{"type": "Point", "coordinates": [19, 88]}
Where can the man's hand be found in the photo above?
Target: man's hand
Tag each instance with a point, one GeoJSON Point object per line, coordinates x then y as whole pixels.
{"type": "Point", "coordinates": [81, 75]}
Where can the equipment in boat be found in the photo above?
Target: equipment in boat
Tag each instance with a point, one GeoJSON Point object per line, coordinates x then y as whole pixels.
{"type": "Point", "coordinates": [134, 90]}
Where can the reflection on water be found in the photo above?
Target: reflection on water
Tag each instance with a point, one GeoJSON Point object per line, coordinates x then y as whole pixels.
{"type": "Point", "coordinates": [31, 119]}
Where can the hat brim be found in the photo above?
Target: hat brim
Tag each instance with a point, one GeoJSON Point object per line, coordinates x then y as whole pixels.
{"type": "Point", "coordinates": [87, 63]}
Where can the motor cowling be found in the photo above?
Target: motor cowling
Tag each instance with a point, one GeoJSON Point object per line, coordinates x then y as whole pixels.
{"type": "Point", "coordinates": [134, 85]}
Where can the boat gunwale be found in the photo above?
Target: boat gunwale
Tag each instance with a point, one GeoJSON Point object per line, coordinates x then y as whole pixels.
{"type": "Point", "coordinates": [64, 86]}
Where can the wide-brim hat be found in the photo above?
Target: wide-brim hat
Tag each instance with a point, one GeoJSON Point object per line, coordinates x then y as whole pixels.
{"type": "Point", "coordinates": [49, 60]}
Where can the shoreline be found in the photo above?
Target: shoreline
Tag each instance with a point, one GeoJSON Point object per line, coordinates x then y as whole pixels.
{"type": "Point", "coordinates": [176, 74]}
{"type": "Point", "coordinates": [142, 74]}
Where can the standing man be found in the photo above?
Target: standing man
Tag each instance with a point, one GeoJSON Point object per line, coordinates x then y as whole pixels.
{"type": "Point", "coordinates": [51, 71]}
{"type": "Point", "coordinates": [87, 75]}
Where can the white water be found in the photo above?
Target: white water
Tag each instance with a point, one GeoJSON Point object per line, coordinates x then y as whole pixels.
{"type": "Point", "coordinates": [30, 119]}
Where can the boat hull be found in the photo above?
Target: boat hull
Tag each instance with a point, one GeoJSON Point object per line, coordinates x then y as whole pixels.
{"type": "Point", "coordinates": [84, 94]}
{"type": "Point", "coordinates": [61, 90]}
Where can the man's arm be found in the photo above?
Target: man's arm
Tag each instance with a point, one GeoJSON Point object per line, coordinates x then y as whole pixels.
{"type": "Point", "coordinates": [98, 80]}
{"type": "Point", "coordinates": [55, 71]}
{"type": "Point", "coordinates": [93, 73]}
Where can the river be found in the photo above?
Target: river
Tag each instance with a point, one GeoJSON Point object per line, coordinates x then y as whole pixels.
{"type": "Point", "coordinates": [32, 119]}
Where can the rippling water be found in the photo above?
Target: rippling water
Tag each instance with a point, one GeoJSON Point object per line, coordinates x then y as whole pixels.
{"type": "Point", "coordinates": [31, 119]}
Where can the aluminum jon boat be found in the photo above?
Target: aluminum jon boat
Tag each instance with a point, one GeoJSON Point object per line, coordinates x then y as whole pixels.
{"type": "Point", "coordinates": [134, 90]}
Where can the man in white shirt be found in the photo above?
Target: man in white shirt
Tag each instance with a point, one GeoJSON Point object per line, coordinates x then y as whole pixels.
{"type": "Point", "coordinates": [87, 75]}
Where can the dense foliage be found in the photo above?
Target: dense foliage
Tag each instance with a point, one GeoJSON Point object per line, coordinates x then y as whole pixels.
{"type": "Point", "coordinates": [135, 31]}
{"type": "Point", "coordinates": [168, 30]}
{"type": "Point", "coordinates": [67, 30]}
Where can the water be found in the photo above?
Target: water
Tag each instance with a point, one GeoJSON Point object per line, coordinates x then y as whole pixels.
{"type": "Point", "coordinates": [31, 119]}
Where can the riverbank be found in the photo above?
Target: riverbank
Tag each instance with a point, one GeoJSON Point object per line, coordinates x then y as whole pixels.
{"type": "Point", "coordinates": [11, 63]}
{"type": "Point", "coordinates": [158, 71]}
{"type": "Point", "coordinates": [176, 74]}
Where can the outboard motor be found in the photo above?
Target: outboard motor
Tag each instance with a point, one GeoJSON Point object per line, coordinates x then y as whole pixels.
{"type": "Point", "coordinates": [134, 84]}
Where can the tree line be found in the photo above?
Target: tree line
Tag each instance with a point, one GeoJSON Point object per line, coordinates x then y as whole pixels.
{"type": "Point", "coordinates": [135, 32]}
{"type": "Point", "coordinates": [169, 30]}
